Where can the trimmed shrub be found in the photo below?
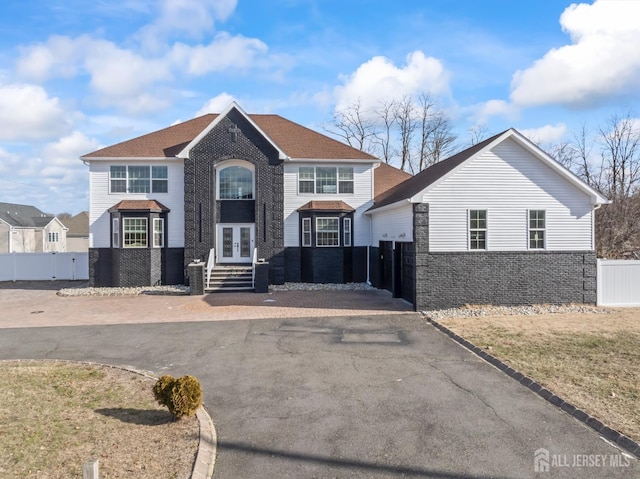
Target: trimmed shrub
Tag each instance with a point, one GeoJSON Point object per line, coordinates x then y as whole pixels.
{"type": "Point", "coordinates": [182, 396]}
{"type": "Point", "coordinates": [162, 390]}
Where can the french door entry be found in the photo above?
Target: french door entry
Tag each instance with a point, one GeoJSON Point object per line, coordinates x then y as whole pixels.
{"type": "Point", "coordinates": [235, 243]}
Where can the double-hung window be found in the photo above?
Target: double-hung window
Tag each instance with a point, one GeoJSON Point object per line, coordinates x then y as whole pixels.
{"type": "Point", "coordinates": [306, 179]}
{"type": "Point", "coordinates": [115, 232]}
{"type": "Point", "coordinates": [346, 225]}
{"type": "Point", "coordinates": [134, 232]}
{"type": "Point", "coordinates": [324, 180]}
{"type": "Point", "coordinates": [327, 232]}
{"type": "Point", "coordinates": [478, 229]}
{"type": "Point", "coordinates": [537, 227]}
{"type": "Point", "coordinates": [306, 231]}
{"type": "Point", "coordinates": [158, 232]}
{"type": "Point", "coordinates": [138, 179]}
{"type": "Point", "coordinates": [52, 237]}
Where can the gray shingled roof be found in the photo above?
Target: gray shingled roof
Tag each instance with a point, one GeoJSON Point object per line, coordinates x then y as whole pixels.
{"type": "Point", "coordinates": [24, 216]}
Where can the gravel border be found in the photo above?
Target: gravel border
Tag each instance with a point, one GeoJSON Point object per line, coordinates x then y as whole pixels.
{"type": "Point", "coordinates": [525, 310]}
{"type": "Point", "coordinates": [321, 287]}
{"type": "Point", "coordinates": [168, 290]}
{"type": "Point", "coordinates": [619, 439]}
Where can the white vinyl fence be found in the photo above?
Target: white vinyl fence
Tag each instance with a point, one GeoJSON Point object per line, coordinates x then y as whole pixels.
{"type": "Point", "coordinates": [618, 282]}
{"type": "Point", "coordinates": [43, 266]}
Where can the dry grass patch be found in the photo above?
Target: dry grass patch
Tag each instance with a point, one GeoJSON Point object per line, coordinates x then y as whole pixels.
{"type": "Point", "coordinates": [590, 360]}
{"type": "Point", "coordinates": [54, 416]}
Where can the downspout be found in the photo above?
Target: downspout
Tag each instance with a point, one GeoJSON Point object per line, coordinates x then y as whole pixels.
{"type": "Point", "coordinates": [373, 192]}
{"type": "Point", "coordinates": [593, 226]}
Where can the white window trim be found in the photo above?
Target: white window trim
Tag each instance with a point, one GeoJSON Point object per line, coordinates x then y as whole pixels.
{"type": "Point", "coordinates": [229, 163]}
{"type": "Point", "coordinates": [346, 240]}
{"type": "Point", "coordinates": [485, 229]}
{"type": "Point", "coordinates": [313, 181]}
{"type": "Point", "coordinates": [529, 230]}
{"type": "Point", "coordinates": [126, 181]}
{"type": "Point", "coordinates": [317, 232]}
{"type": "Point", "coordinates": [146, 222]}
{"type": "Point", "coordinates": [338, 181]}
{"type": "Point", "coordinates": [155, 221]}
{"type": "Point", "coordinates": [307, 222]}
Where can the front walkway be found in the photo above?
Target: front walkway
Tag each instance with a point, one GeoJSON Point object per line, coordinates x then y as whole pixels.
{"type": "Point", "coordinates": [35, 304]}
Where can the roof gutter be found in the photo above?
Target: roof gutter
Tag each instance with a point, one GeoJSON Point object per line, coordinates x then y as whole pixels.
{"type": "Point", "coordinates": [392, 206]}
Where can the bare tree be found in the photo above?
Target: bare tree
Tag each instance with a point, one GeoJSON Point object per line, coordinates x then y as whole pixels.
{"type": "Point", "coordinates": [384, 135]}
{"type": "Point", "coordinates": [477, 133]}
{"type": "Point", "coordinates": [354, 126]}
{"type": "Point", "coordinates": [443, 139]}
{"type": "Point", "coordinates": [620, 140]}
{"type": "Point", "coordinates": [405, 118]}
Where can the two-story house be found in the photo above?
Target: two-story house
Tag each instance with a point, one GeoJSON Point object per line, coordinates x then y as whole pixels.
{"type": "Point", "coordinates": [499, 223]}
{"type": "Point", "coordinates": [234, 183]}
{"type": "Point", "coordinates": [26, 229]}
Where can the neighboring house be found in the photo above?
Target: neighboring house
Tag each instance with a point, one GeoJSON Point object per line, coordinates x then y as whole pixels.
{"type": "Point", "coordinates": [26, 229]}
{"type": "Point", "coordinates": [499, 223]}
{"type": "Point", "coordinates": [78, 232]}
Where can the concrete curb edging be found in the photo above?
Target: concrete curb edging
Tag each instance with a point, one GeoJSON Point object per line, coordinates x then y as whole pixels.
{"type": "Point", "coordinates": [608, 433]}
{"type": "Point", "coordinates": [207, 441]}
{"type": "Point", "coordinates": [207, 445]}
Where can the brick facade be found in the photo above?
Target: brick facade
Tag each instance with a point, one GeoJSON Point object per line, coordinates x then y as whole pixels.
{"type": "Point", "coordinates": [202, 211]}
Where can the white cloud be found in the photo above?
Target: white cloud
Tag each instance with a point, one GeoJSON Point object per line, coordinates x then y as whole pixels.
{"type": "Point", "coordinates": [224, 52]}
{"type": "Point", "coordinates": [67, 150]}
{"type": "Point", "coordinates": [603, 60]}
{"type": "Point", "coordinates": [547, 134]}
{"type": "Point", "coordinates": [28, 113]}
{"type": "Point", "coordinates": [483, 111]}
{"type": "Point", "coordinates": [189, 18]}
{"type": "Point", "coordinates": [56, 57]}
{"type": "Point", "coordinates": [379, 79]}
{"type": "Point", "coordinates": [129, 80]}
{"type": "Point", "coordinates": [216, 104]}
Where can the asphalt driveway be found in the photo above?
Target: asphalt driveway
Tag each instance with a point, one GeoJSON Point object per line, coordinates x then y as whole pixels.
{"type": "Point", "coordinates": [382, 395]}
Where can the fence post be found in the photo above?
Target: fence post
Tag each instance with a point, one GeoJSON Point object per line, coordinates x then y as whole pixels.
{"type": "Point", "coordinates": [90, 469]}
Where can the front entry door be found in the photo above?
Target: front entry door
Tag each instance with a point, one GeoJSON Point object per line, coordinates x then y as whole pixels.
{"type": "Point", "coordinates": [235, 243]}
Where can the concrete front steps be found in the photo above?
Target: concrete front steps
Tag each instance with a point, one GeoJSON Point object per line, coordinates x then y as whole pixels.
{"type": "Point", "coordinates": [230, 278]}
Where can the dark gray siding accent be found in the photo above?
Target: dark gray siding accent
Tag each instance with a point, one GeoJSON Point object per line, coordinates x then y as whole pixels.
{"type": "Point", "coordinates": [407, 271]}
{"type": "Point", "coordinates": [386, 265]}
{"type": "Point", "coordinates": [199, 191]}
{"type": "Point", "coordinates": [448, 280]}
{"type": "Point", "coordinates": [359, 262]}
{"type": "Point", "coordinates": [173, 266]}
{"type": "Point", "coordinates": [132, 267]}
{"type": "Point", "coordinates": [374, 267]}
{"type": "Point", "coordinates": [237, 211]}
{"type": "Point", "coordinates": [292, 265]}
{"type": "Point", "coordinates": [100, 267]}
{"type": "Point", "coordinates": [328, 266]}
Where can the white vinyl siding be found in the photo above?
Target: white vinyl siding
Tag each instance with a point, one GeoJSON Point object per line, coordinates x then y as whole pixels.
{"type": "Point", "coordinates": [508, 182]}
{"type": "Point", "coordinates": [100, 200]}
{"type": "Point", "coordinates": [395, 224]}
{"type": "Point", "coordinates": [360, 199]}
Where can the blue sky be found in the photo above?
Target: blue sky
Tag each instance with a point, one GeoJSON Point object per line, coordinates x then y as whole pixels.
{"type": "Point", "coordinates": [78, 75]}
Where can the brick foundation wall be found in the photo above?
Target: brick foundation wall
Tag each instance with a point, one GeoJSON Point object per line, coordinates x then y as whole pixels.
{"type": "Point", "coordinates": [129, 267]}
{"type": "Point", "coordinates": [446, 280]}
